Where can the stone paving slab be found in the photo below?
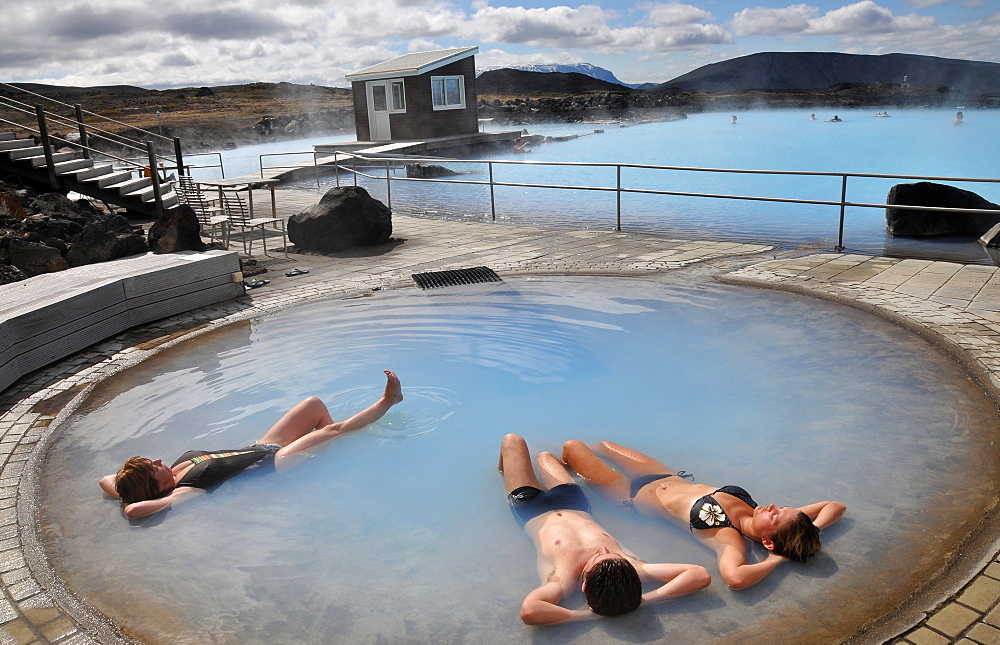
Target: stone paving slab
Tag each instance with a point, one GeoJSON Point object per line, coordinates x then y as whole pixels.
{"type": "Point", "coordinates": [34, 607]}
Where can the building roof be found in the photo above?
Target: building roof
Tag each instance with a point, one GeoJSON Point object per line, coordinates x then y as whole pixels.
{"type": "Point", "coordinates": [412, 64]}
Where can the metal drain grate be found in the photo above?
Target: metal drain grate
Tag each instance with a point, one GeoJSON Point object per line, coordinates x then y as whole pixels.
{"type": "Point", "coordinates": [454, 277]}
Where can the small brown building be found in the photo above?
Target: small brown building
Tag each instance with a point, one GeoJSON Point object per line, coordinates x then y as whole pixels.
{"type": "Point", "coordinates": [417, 96]}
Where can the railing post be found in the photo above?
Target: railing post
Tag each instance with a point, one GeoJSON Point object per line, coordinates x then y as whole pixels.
{"type": "Point", "coordinates": [493, 203]}
{"type": "Point", "coordinates": [336, 164]}
{"type": "Point", "coordinates": [154, 176]}
{"type": "Point", "coordinates": [354, 168]}
{"type": "Point", "coordinates": [43, 132]}
{"type": "Point", "coordinates": [388, 186]}
{"type": "Point", "coordinates": [178, 156]}
{"type": "Point", "coordinates": [316, 166]}
{"type": "Point", "coordinates": [84, 140]}
{"type": "Point", "coordinates": [843, 202]}
{"type": "Point", "coordinates": [618, 193]}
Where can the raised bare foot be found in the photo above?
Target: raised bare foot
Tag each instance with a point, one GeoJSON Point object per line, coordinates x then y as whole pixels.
{"type": "Point", "coordinates": [393, 389]}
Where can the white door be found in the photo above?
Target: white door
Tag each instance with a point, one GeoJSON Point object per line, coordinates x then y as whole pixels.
{"type": "Point", "coordinates": [378, 110]}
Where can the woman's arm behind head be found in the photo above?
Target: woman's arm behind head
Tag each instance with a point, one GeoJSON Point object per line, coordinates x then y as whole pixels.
{"type": "Point", "coordinates": [108, 486]}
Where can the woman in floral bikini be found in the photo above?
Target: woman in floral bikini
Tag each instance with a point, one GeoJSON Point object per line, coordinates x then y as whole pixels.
{"type": "Point", "coordinates": [720, 517]}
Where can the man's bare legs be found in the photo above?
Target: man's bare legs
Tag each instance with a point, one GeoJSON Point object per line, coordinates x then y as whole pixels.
{"type": "Point", "coordinates": [309, 423]}
{"type": "Point", "coordinates": [554, 471]}
{"type": "Point", "coordinates": [515, 464]}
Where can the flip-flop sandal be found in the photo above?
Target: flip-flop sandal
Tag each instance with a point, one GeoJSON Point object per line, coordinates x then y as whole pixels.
{"type": "Point", "coordinates": [296, 271]}
{"type": "Point", "coordinates": [254, 283]}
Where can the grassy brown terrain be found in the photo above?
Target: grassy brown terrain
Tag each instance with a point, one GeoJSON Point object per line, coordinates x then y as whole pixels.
{"type": "Point", "coordinates": [205, 118]}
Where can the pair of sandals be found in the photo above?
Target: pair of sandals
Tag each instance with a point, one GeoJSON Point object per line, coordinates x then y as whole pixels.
{"type": "Point", "coordinates": [254, 283]}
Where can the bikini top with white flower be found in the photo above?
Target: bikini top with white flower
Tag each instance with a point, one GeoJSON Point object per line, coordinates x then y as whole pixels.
{"type": "Point", "coordinates": [707, 513]}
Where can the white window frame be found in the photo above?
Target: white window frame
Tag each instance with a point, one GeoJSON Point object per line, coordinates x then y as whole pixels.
{"type": "Point", "coordinates": [393, 108]}
{"type": "Point", "coordinates": [444, 80]}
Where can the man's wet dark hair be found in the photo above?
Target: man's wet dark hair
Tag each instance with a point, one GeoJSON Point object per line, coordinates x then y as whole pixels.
{"type": "Point", "coordinates": [613, 587]}
{"type": "Point", "coordinates": [797, 540]}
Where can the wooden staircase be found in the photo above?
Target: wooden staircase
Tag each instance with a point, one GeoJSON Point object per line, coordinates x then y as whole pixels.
{"type": "Point", "coordinates": [73, 172]}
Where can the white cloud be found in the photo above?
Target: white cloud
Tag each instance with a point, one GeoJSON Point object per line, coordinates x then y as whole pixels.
{"type": "Point", "coordinates": [584, 26]}
{"type": "Point", "coordinates": [972, 41]}
{"type": "Point", "coordinates": [379, 20]}
{"type": "Point", "coordinates": [503, 58]}
{"type": "Point", "coordinates": [765, 21]}
{"type": "Point", "coordinates": [675, 14]}
{"type": "Point", "coordinates": [867, 17]}
{"type": "Point", "coordinates": [689, 37]}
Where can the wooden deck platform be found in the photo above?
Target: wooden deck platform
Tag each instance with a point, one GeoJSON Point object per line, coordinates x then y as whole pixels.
{"type": "Point", "coordinates": [51, 316]}
{"type": "Point", "coordinates": [460, 144]}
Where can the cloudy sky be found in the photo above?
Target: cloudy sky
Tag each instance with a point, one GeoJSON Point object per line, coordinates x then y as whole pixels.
{"type": "Point", "coordinates": [182, 43]}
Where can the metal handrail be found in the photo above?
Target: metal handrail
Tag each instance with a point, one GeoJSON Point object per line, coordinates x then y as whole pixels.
{"type": "Point", "coordinates": [112, 137]}
{"type": "Point", "coordinates": [139, 166]}
{"type": "Point", "coordinates": [619, 189]}
{"type": "Point", "coordinates": [47, 140]}
{"type": "Point", "coordinates": [315, 155]}
{"type": "Point", "coordinates": [220, 166]}
{"type": "Point", "coordinates": [86, 131]}
{"type": "Point", "coordinates": [100, 116]}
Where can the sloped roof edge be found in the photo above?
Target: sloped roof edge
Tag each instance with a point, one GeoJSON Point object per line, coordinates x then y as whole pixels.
{"type": "Point", "coordinates": [412, 64]}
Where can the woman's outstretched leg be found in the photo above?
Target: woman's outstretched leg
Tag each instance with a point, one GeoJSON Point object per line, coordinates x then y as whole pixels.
{"type": "Point", "coordinates": [632, 462]}
{"type": "Point", "coordinates": [306, 416]}
{"type": "Point", "coordinates": [609, 482]}
{"type": "Point", "coordinates": [309, 423]}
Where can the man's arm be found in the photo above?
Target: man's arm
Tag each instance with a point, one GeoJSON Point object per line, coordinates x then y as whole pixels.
{"type": "Point", "coordinates": [680, 579]}
{"type": "Point", "coordinates": [150, 506]}
{"type": "Point", "coordinates": [823, 514]}
{"type": "Point", "coordinates": [541, 607]}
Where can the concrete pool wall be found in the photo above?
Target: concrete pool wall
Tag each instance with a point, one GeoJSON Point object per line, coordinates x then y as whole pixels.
{"type": "Point", "coordinates": [954, 304]}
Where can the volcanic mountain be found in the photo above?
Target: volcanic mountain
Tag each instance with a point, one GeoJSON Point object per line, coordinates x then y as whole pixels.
{"type": "Point", "coordinates": [820, 70]}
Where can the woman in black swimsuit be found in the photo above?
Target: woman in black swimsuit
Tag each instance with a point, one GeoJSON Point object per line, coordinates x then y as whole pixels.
{"type": "Point", "coordinates": [720, 517]}
{"type": "Point", "coordinates": [148, 486]}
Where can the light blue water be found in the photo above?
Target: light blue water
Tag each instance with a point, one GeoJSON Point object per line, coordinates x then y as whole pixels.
{"type": "Point", "coordinates": [247, 160]}
{"type": "Point", "coordinates": [910, 142]}
{"type": "Point", "coordinates": [401, 533]}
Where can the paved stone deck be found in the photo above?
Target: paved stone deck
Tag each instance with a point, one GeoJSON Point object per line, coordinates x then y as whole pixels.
{"type": "Point", "coordinates": [959, 303]}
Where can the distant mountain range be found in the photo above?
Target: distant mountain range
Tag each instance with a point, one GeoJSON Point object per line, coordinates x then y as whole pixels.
{"type": "Point", "coordinates": [518, 82]}
{"type": "Point", "coordinates": [768, 71]}
{"type": "Point", "coordinates": [51, 90]}
{"type": "Point", "coordinates": [579, 68]}
{"type": "Point", "coordinates": [820, 70]}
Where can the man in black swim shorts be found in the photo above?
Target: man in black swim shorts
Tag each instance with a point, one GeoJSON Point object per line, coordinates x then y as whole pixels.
{"type": "Point", "coordinates": [574, 551]}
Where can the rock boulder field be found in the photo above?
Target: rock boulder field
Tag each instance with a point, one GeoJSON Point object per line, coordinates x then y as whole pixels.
{"type": "Point", "coordinates": [47, 232]}
{"type": "Point", "coordinates": [345, 218]}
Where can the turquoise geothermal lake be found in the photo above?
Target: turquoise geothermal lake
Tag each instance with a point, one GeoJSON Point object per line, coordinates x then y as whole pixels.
{"type": "Point", "coordinates": [912, 141]}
